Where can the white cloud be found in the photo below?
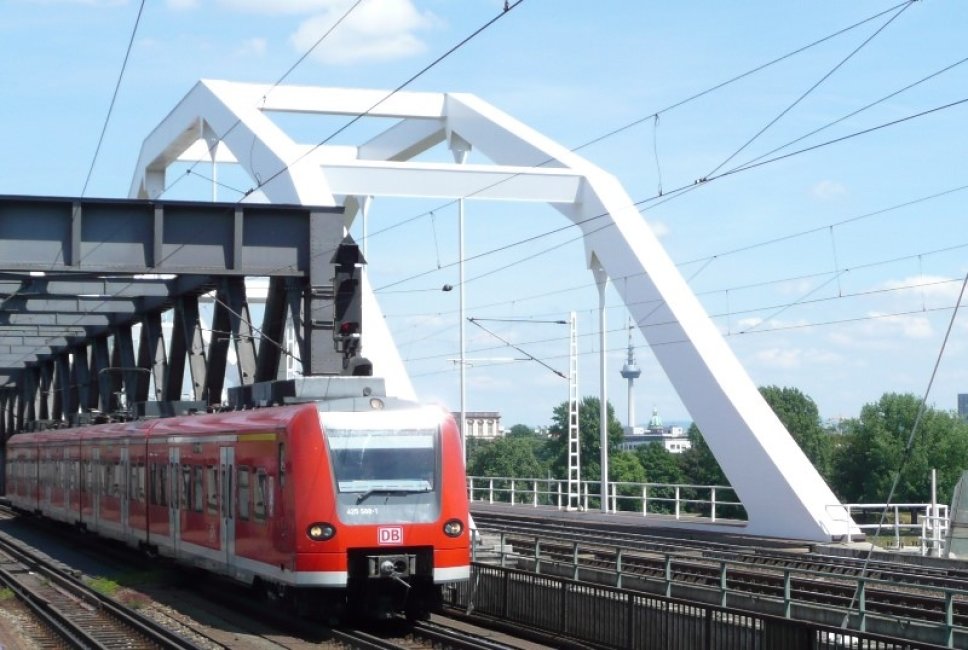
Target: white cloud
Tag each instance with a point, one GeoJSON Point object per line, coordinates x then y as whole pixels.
{"type": "Point", "coordinates": [252, 46]}
{"type": "Point", "coordinates": [182, 5]}
{"type": "Point", "coordinates": [912, 327]}
{"type": "Point", "coordinates": [780, 357]}
{"type": "Point", "coordinates": [375, 30]}
{"type": "Point", "coordinates": [933, 286]}
{"type": "Point", "coordinates": [378, 30]}
{"type": "Point", "coordinates": [286, 6]}
{"type": "Point", "coordinates": [827, 190]}
{"type": "Point", "coordinates": [787, 357]}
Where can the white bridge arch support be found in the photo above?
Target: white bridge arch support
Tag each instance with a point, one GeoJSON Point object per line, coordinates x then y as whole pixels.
{"type": "Point", "coordinates": [783, 494]}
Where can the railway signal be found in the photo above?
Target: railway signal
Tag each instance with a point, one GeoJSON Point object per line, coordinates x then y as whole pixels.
{"type": "Point", "coordinates": [348, 307]}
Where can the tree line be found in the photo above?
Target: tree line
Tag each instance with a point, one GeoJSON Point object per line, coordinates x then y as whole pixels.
{"type": "Point", "coordinates": [859, 461]}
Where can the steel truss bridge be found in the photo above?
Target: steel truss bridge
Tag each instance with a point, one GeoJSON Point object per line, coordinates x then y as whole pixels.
{"type": "Point", "coordinates": [79, 276]}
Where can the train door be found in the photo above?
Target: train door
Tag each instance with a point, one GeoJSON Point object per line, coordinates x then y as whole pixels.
{"type": "Point", "coordinates": [124, 481]}
{"type": "Point", "coordinates": [175, 498]}
{"type": "Point", "coordinates": [226, 489]}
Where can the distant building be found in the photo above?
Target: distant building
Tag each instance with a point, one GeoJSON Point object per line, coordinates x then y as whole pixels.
{"type": "Point", "coordinates": [673, 438]}
{"type": "Point", "coordinates": [963, 406]}
{"type": "Point", "coordinates": [482, 424]}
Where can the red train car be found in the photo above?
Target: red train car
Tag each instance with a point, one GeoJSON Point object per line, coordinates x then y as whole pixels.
{"type": "Point", "coordinates": [322, 502]}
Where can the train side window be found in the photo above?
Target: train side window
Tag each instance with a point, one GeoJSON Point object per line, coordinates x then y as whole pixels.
{"type": "Point", "coordinates": [261, 487]}
{"type": "Point", "coordinates": [282, 464]}
{"type": "Point", "coordinates": [153, 483]}
{"type": "Point", "coordinates": [157, 484]}
{"type": "Point", "coordinates": [198, 496]}
{"type": "Point", "coordinates": [186, 500]}
{"type": "Point", "coordinates": [116, 480]}
{"type": "Point", "coordinates": [141, 482]}
{"type": "Point", "coordinates": [211, 489]}
{"type": "Point", "coordinates": [243, 492]}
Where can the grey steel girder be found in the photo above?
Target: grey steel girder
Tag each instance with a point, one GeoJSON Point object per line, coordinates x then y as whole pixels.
{"type": "Point", "coordinates": [79, 278]}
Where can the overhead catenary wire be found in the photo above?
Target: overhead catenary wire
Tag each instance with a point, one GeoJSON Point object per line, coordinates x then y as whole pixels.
{"type": "Point", "coordinates": [296, 64]}
{"type": "Point", "coordinates": [622, 348]}
{"type": "Point", "coordinates": [519, 349]}
{"type": "Point", "coordinates": [507, 9]}
{"type": "Point", "coordinates": [703, 181]}
{"type": "Point", "coordinates": [671, 107]}
{"type": "Point", "coordinates": [114, 97]}
{"type": "Point", "coordinates": [811, 89]}
{"type": "Point", "coordinates": [759, 330]}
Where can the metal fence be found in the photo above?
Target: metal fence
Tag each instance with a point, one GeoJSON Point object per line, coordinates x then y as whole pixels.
{"type": "Point", "coordinates": [621, 618]}
{"type": "Point", "coordinates": [705, 501]}
{"type": "Point", "coordinates": [926, 522]}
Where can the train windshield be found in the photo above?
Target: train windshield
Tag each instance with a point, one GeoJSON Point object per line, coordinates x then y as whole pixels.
{"type": "Point", "coordinates": [398, 461]}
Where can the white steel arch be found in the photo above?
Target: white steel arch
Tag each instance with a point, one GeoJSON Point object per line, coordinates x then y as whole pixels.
{"type": "Point", "coordinates": [782, 492]}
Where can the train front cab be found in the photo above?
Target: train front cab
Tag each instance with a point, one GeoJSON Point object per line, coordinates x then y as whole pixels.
{"type": "Point", "coordinates": [395, 527]}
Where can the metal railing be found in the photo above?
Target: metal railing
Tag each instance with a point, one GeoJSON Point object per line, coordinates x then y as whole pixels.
{"type": "Point", "coordinates": [613, 617]}
{"type": "Point", "coordinates": [925, 521]}
{"type": "Point", "coordinates": [711, 502]}
{"type": "Point", "coordinates": [723, 587]}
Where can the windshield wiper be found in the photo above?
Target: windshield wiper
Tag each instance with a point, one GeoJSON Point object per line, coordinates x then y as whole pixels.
{"type": "Point", "coordinates": [390, 492]}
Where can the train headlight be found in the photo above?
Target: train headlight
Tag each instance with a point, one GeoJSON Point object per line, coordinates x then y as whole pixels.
{"type": "Point", "coordinates": [320, 532]}
{"type": "Point", "coordinates": [453, 528]}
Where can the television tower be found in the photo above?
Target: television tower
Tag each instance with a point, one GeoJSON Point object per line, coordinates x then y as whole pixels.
{"type": "Point", "coordinates": [631, 372]}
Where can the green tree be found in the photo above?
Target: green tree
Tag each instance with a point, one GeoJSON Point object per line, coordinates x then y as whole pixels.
{"type": "Point", "coordinates": [800, 416]}
{"type": "Point", "coordinates": [588, 427]}
{"type": "Point", "coordinates": [660, 465]}
{"type": "Point", "coordinates": [521, 430]}
{"type": "Point", "coordinates": [874, 449]}
{"type": "Point", "coordinates": [511, 457]}
{"type": "Point", "coordinates": [698, 464]}
{"type": "Point", "coordinates": [624, 467]}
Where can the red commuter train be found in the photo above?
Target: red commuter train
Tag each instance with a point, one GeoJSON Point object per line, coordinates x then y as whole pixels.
{"type": "Point", "coordinates": [357, 503]}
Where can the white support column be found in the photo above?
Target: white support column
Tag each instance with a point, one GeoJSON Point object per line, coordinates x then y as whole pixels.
{"type": "Point", "coordinates": [601, 279]}
{"type": "Point", "coordinates": [461, 150]}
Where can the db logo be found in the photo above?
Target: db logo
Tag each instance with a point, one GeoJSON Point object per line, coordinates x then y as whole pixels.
{"type": "Point", "coordinates": [390, 535]}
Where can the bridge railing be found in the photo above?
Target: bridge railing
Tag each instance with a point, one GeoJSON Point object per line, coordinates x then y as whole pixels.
{"type": "Point", "coordinates": [925, 522]}
{"type": "Point", "coordinates": [712, 502]}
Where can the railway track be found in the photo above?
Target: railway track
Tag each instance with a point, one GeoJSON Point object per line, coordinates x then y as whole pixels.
{"type": "Point", "coordinates": [73, 613]}
{"type": "Point", "coordinates": [894, 590]}
{"type": "Point", "coordinates": [254, 624]}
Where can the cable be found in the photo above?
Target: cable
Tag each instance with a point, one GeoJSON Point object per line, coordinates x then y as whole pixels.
{"type": "Point", "coordinates": [643, 326]}
{"type": "Point", "coordinates": [859, 110]}
{"type": "Point", "coordinates": [811, 88]}
{"type": "Point", "coordinates": [278, 81]}
{"type": "Point", "coordinates": [623, 347]}
{"type": "Point", "coordinates": [664, 110]}
{"type": "Point", "coordinates": [737, 77]}
{"type": "Point", "coordinates": [114, 97]}
{"type": "Point", "coordinates": [420, 73]}
{"type": "Point", "coordinates": [519, 349]}
{"type": "Point", "coordinates": [906, 454]}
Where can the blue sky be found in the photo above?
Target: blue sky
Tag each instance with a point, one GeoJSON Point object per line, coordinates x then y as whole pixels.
{"type": "Point", "coordinates": [834, 270]}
